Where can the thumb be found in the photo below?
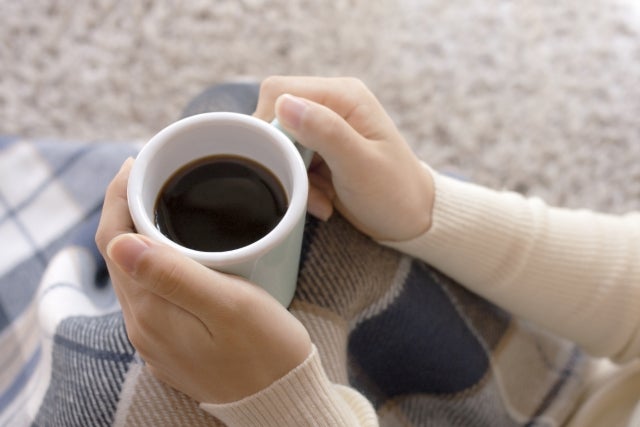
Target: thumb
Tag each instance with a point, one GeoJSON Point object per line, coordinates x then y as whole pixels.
{"type": "Point", "coordinates": [178, 279]}
{"type": "Point", "coordinates": [320, 129]}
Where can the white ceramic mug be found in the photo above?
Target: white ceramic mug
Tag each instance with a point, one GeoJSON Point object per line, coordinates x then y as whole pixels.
{"type": "Point", "coordinates": [272, 261]}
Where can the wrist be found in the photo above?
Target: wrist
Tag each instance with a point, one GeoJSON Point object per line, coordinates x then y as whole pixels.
{"type": "Point", "coordinates": [424, 213]}
{"type": "Point", "coordinates": [304, 396]}
{"type": "Point", "coordinates": [415, 217]}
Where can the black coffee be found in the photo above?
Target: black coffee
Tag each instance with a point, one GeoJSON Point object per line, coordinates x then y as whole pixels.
{"type": "Point", "coordinates": [220, 203]}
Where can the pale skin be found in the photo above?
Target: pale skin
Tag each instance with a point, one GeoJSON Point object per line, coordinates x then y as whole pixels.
{"type": "Point", "coordinates": [217, 337]}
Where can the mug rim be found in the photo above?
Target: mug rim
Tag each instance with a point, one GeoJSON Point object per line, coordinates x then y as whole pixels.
{"type": "Point", "coordinates": [297, 199]}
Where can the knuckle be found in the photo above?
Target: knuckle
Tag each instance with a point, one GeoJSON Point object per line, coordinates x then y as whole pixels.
{"type": "Point", "coordinates": [355, 84]}
{"type": "Point", "coordinates": [270, 85]}
{"type": "Point", "coordinates": [358, 92]}
{"type": "Point", "coordinates": [102, 240]}
{"type": "Point", "coordinates": [354, 81]}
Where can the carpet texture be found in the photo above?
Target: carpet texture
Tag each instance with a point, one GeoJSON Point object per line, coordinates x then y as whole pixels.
{"type": "Point", "coordinates": [542, 97]}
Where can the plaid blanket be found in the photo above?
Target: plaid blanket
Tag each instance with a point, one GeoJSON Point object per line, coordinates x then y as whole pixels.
{"type": "Point", "coordinates": [424, 350]}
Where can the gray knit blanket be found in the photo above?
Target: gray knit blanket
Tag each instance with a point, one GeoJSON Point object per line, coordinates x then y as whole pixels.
{"type": "Point", "coordinates": [425, 351]}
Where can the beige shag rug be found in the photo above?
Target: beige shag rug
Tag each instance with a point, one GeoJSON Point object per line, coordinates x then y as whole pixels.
{"type": "Point", "coordinates": [540, 96]}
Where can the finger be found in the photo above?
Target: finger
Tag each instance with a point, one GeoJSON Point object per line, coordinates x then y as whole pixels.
{"type": "Point", "coordinates": [115, 218]}
{"type": "Point", "coordinates": [321, 190]}
{"type": "Point", "coordinates": [319, 204]}
{"type": "Point", "coordinates": [322, 183]}
{"type": "Point", "coordinates": [323, 130]}
{"type": "Point", "coordinates": [151, 320]}
{"type": "Point", "coordinates": [338, 94]}
{"type": "Point", "coordinates": [120, 285]}
{"type": "Point", "coordinates": [316, 162]}
{"type": "Point", "coordinates": [176, 278]}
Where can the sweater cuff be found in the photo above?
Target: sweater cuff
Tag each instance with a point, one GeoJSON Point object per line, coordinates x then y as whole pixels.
{"type": "Point", "coordinates": [303, 397]}
{"type": "Point", "coordinates": [473, 231]}
{"type": "Point", "coordinates": [465, 222]}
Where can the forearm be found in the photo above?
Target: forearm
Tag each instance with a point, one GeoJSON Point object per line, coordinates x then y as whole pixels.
{"type": "Point", "coordinates": [575, 272]}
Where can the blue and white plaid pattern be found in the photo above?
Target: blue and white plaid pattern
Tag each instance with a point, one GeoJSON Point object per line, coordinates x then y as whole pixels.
{"type": "Point", "coordinates": [51, 194]}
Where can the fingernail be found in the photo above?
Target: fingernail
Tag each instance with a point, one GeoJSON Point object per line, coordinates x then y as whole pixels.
{"type": "Point", "coordinates": [325, 214]}
{"type": "Point", "coordinates": [125, 250]}
{"type": "Point", "coordinates": [322, 211]}
{"type": "Point", "coordinates": [290, 109]}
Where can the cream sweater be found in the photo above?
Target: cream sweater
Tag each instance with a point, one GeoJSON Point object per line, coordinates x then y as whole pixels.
{"type": "Point", "coordinates": [576, 273]}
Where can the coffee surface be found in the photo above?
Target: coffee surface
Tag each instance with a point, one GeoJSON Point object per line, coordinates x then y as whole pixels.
{"type": "Point", "coordinates": [220, 203]}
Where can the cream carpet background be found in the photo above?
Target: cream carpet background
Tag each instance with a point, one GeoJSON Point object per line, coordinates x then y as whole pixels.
{"type": "Point", "coordinates": [540, 96]}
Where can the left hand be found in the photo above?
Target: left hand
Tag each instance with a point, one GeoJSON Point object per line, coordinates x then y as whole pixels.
{"type": "Point", "coordinates": [215, 337]}
{"type": "Point", "coordinates": [363, 166]}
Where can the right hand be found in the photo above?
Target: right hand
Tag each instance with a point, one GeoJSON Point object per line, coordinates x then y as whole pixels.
{"type": "Point", "coordinates": [364, 167]}
{"type": "Point", "coordinates": [216, 337]}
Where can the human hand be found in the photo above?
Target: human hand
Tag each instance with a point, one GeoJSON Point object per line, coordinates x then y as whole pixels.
{"type": "Point", "coordinates": [364, 168]}
{"type": "Point", "coordinates": [213, 336]}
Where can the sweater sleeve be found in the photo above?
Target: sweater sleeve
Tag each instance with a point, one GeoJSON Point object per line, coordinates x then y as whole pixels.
{"type": "Point", "coordinates": [303, 397]}
{"type": "Point", "coordinates": [576, 273]}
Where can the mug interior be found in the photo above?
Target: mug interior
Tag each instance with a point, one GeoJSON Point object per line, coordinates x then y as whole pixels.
{"type": "Point", "coordinates": [206, 135]}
